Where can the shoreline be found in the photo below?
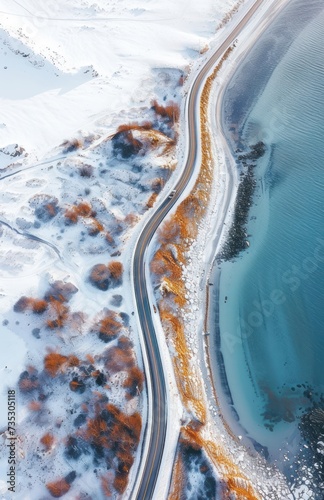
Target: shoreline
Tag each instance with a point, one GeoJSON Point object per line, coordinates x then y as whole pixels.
{"type": "Point", "coordinates": [212, 343]}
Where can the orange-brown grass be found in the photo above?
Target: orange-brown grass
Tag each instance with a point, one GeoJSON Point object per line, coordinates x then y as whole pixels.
{"type": "Point", "coordinates": [229, 15]}
{"type": "Point", "coordinates": [235, 481]}
{"type": "Point", "coordinates": [58, 488]}
{"type": "Point", "coordinates": [191, 392]}
{"type": "Point", "coordinates": [169, 231]}
{"type": "Point", "coordinates": [177, 486]}
{"type": "Point", "coordinates": [165, 262]}
{"type": "Point", "coordinates": [179, 229]}
{"type": "Point", "coordinates": [167, 267]}
{"type": "Point", "coordinates": [115, 269]}
{"type": "Point", "coordinates": [47, 441]}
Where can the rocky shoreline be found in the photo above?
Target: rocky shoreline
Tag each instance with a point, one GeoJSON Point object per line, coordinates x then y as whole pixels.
{"type": "Point", "coordinates": [237, 240]}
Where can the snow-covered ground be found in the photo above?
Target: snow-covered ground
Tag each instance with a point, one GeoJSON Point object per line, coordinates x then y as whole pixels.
{"type": "Point", "coordinates": [76, 65]}
{"type": "Point", "coordinates": [75, 71]}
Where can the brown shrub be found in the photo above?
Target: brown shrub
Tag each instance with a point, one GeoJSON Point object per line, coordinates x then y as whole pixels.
{"type": "Point", "coordinates": [71, 145]}
{"type": "Point", "coordinates": [28, 385]}
{"type": "Point", "coordinates": [35, 405]}
{"type": "Point", "coordinates": [83, 209]}
{"type": "Point", "coordinates": [90, 359]}
{"type": "Point", "coordinates": [58, 488]}
{"type": "Point", "coordinates": [61, 291]}
{"type": "Point", "coordinates": [157, 185]}
{"type": "Point", "coordinates": [77, 385]}
{"type": "Point", "coordinates": [50, 209]}
{"type": "Point", "coordinates": [166, 259]}
{"type": "Point", "coordinates": [57, 314]}
{"type": "Point", "coordinates": [109, 326]}
{"type": "Point", "coordinates": [146, 125]}
{"type": "Point", "coordinates": [126, 143]}
{"type": "Point", "coordinates": [73, 360]}
{"type": "Point", "coordinates": [152, 199]}
{"type": "Point", "coordinates": [120, 482]}
{"type": "Point", "coordinates": [112, 431]}
{"type": "Point", "coordinates": [134, 423]}
{"type": "Point", "coordinates": [97, 432]}
{"type": "Point", "coordinates": [46, 207]}
{"type": "Point", "coordinates": [99, 276]}
{"type": "Point", "coordinates": [120, 357]}
{"type": "Point", "coordinates": [86, 171]}
{"type": "Point", "coordinates": [106, 483]}
{"type": "Point", "coordinates": [55, 363]}
{"type": "Point", "coordinates": [95, 228]}
{"type": "Point", "coordinates": [171, 111]}
{"type": "Point", "coordinates": [28, 380]}
{"type": "Point", "coordinates": [22, 304]}
{"type": "Point", "coordinates": [71, 215]}
{"type": "Point", "coordinates": [134, 381]}
{"type": "Point", "coordinates": [125, 459]}
{"type": "Point", "coordinates": [131, 219]}
{"type": "Point", "coordinates": [38, 306]}
{"type": "Point", "coordinates": [109, 238]}
{"type": "Point", "coordinates": [116, 270]}
{"type": "Point", "coordinates": [47, 440]}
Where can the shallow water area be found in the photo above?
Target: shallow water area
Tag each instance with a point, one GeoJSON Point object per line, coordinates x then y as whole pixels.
{"type": "Point", "coordinates": [271, 295]}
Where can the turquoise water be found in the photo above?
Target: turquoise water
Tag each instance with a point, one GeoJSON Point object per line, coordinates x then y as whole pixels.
{"type": "Point", "coordinates": [271, 296]}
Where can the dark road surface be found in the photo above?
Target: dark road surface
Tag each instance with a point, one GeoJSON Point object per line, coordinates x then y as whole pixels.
{"type": "Point", "coordinates": [159, 391]}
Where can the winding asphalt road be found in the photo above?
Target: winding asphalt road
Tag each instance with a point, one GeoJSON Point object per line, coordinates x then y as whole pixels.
{"type": "Point", "coordinates": [147, 482]}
